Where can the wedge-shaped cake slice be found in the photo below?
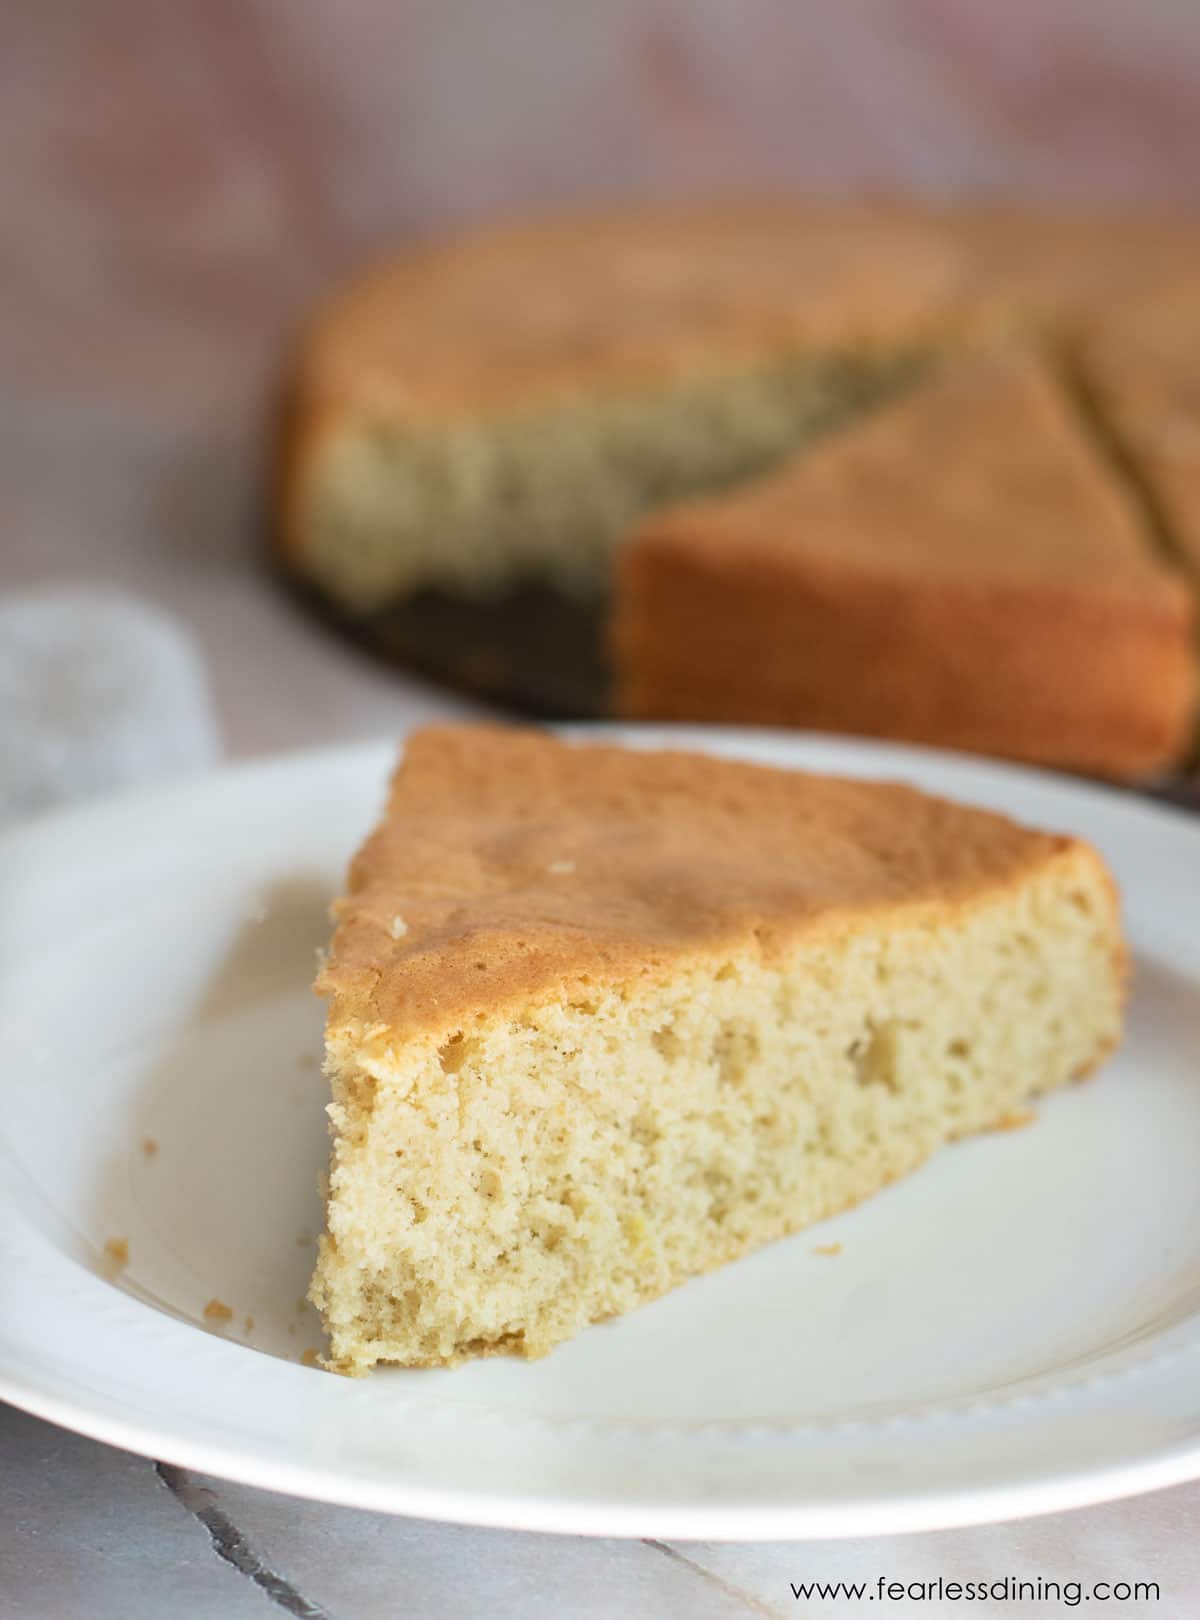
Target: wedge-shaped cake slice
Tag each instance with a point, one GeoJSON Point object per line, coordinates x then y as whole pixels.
{"type": "Point", "coordinates": [962, 569]}
{"type": "Point", "coordinates": [601, 1019]}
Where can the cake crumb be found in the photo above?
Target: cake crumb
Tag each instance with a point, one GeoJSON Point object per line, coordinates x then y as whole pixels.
{"type": "Point", "coordinates": [310, 1358]}
{"type": "Point", "coordinates": [561, 868]}
{"type": "Point", "coordinates": [829, 1249]}
{"type": "Point", "coordinates": [116, 1252]}
{"type": "Point", "coordinates": [301, 1306]}
{"type": "Point", "coordinates": [248, 1326]}
{"type": "Point", "coordinates": [149, 1147]}
{"type": "Point", "coordinates": [217, 1311]}
{"type": "Point", "coordinates": [1014, 1121]}
{"type": "Point", "coordinates": [397, 928]}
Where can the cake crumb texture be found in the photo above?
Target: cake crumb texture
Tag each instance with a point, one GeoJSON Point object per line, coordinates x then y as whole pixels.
{"type": "Point", "coordinates": [116, 1253]}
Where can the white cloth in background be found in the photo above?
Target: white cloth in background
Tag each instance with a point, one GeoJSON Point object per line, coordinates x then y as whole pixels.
{"type": "Point", "coordinates": [99, 691]}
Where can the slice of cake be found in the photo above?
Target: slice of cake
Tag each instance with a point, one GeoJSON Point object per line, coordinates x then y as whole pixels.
{"type": "Point", "coordinates": [601, 1019]}
{"type": "Point", "coordinates": [963, 569]}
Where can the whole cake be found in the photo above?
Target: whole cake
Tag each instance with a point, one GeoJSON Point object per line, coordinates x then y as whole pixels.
{"type": "Point", "coordinates": [601, 1019]}
{"type": "Point", "coordinates": [474, 430]}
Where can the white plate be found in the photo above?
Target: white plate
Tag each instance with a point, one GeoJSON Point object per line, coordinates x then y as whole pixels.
{"type": "Point", "coordinates": [1014, 1329]}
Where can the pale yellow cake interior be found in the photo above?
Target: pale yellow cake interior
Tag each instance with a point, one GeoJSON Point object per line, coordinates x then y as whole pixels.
{"type": "Point", "coordinates": [477, 504]}
{"type": "Point", "coordinates": [498, 1188]}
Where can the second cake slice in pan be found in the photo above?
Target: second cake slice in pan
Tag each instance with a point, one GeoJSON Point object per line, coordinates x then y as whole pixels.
{"type": "Point", "coordinates": [963, 569]}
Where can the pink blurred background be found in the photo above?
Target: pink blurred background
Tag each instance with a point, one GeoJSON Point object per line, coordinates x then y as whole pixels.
{"type": "Point", "coordinates": [178, 180]}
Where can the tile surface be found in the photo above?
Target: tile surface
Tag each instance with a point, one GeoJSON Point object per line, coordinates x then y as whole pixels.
{"type": "Point", "coordinates": [85, 1530]}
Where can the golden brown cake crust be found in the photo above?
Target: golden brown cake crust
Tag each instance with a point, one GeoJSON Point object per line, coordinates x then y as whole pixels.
{"type": "Point", "coordinates": [984, 467]}
{"type": "Point", "coordinates": [960, 569]}
{"type": "Point", "coordinates": [512, 867]}
{"type": "Point", "coordinates": [1142, 363]}
{"type": "Point", "coordinates": [517, 316]}
{"type": "Point", "coordinates": [1069, 270]}
{"type": "Point", "coordinates": [513, 316]}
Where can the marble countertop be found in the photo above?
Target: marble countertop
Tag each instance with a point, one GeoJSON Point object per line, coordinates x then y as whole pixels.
{"type": "Point", "coordinates": [86, 1531]}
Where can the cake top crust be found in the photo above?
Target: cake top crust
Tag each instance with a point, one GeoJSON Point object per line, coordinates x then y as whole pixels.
{"type": "Point", "coordinates": [1143, 366]}
{"type": "Point", "coordinates": [513, 868]}
{"type": "Point", "coordinates": [527, 315]}
{"type": "Point", "coordinates": [983, 473]}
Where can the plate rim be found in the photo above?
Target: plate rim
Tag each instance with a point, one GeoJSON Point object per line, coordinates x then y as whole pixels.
{"type": "Point", "coordinates": [864, 1517]}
